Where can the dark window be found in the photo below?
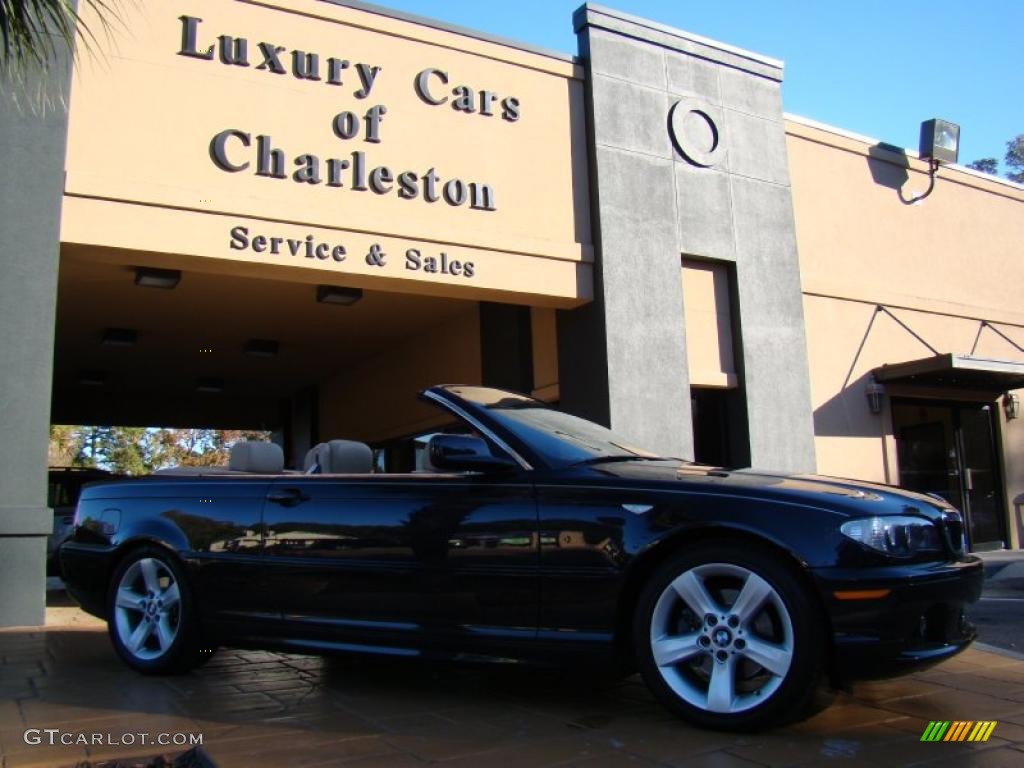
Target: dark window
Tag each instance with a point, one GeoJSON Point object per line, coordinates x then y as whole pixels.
{"type": "Point", "coordinates": [710, 426]}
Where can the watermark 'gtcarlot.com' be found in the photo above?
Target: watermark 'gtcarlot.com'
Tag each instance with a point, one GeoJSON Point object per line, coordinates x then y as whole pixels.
{"type": "Point", "coordinates": [55, 736]}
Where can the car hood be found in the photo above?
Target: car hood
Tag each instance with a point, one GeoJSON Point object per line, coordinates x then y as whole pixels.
{"type": "Point", "coordinates": [852, 496]}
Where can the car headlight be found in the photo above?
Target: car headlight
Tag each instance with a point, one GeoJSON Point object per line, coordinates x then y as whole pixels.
{"type": "Point", "coordinates": [899, 536]}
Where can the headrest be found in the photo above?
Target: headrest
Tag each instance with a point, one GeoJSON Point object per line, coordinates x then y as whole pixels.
{"type": "Point", "coordinates": [344, 457]}
{"type": "Point", "coordinates": [310, 461]}
{"type": "Point", "coordinates": [258, 457]}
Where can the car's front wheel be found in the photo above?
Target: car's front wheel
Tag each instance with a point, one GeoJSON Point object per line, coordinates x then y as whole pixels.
{"type": "Point", "coordinates": [727, 637]}
{"type": "Point", "coordinates": [151, 618]}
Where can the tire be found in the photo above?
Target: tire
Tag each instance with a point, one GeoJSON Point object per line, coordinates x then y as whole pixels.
{"type": "Point", "coordinates": [728, 638]}
{"type": "Point", "coordinates": [151, 617]}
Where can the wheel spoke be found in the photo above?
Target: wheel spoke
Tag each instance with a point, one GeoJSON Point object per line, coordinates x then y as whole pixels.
{"type": "Point", "coordinates": [774, 658]}
{"type": "Point", "coordinates": [691, 589]}
{"type": "Point", "coordinates": [148, 566]}
{"type": "Point", "coordinates": [130, 599]}
{"type": "Point", "coordinates": [755, 591]}
{"type": "Point", "coordinates": [171, 596]}
{"type": "Point", "coordinates": [139, 636]}
{"type": "Point", "coordinates": [672, 650]}
{"type": "Point", "coordinates": [164, 633]}
{"type": "Point", "coordinates": [722, 688]}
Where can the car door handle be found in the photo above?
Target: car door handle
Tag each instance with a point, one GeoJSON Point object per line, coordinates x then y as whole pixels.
{"type": "Point", "coordinates": [287, 497]}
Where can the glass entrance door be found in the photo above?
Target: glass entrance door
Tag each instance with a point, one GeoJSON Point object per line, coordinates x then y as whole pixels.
{"type": "Point", "coordinates": [979, 478]}
{"type": "Point", "coordinates": [950, 450]}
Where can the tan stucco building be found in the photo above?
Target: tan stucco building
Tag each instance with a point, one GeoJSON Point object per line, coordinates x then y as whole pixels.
{"type": "Point", "coordinates": [946, 273]}
{"type": "Point", "coordinates": [294, 215]}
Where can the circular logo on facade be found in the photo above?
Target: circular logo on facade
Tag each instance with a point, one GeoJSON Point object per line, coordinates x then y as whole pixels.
{"type": "Point", "coordinates": [695, 133]}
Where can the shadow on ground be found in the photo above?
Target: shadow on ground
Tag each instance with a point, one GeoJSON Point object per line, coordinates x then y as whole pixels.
{"type": "Point", "coordinates": [260, 708]}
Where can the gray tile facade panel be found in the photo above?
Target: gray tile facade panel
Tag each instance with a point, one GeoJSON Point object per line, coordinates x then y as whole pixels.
{"type": "Point", "coordinates": [626, 59]}
{"type": "Point", "coordinates": [739, 209]}
{"type": "Point", "coordinates": [692, 76]}
{"type": "Point", "coordinates": [756, 146]}
{"type": "Point", "coordinates": [597, 17]}
{"type": "Point", "coordinates": [630, 117]}
{"type": "Point", "coordinates": [704, 212]}
{"type": "Point", "coordinates": [636, 192]}
{"type": "Point", "coordinates": [765, 232]}
{"type": "Point", "coordinates": [781, 436]}
{"type": "Point", "coordinates": [646, 346]}
{"type": "Point", "coordinates": [774, 350]}
{"type": "Point", "coordinates": [755, 95]}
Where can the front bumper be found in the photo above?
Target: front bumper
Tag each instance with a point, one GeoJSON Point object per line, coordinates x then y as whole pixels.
{"type": "Point", "coordinates": [919, 622]}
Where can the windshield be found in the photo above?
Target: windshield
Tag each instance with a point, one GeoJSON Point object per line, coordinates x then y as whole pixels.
{"type": "Point", "coordinates": [558, 438]}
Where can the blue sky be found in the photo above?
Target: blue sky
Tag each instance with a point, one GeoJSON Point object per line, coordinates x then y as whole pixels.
{"type": "Point", "coordinates": [872, 67]}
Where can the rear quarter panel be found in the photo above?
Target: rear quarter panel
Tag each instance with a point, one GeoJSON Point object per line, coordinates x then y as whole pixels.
{"type": "Point", "coordinates": [211, 525]}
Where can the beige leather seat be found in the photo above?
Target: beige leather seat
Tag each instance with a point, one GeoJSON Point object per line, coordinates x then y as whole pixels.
{"type": "Point", "coordinates": [340, 457]}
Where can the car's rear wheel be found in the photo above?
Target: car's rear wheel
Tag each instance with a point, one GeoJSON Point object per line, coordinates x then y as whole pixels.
{"type": "Point", "coordinates": [727, 637]}
{"type": "Point", "coordinates": [151, 618]}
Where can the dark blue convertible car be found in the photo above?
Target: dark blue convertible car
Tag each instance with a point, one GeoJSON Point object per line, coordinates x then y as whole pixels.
{"type": "Point", "coordinates": [528, 534]}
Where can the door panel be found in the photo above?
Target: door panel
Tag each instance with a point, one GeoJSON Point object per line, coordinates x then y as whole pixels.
{"type": "Point", "coordinates": [583, 549]}
{"type": "Point", "coordinates": [405, 559]}
{"type": "Point", "coordinates": [222, 520]}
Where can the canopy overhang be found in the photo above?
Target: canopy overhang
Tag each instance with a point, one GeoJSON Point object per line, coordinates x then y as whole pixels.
{"type": "Point", "coordinates": [959, 372]}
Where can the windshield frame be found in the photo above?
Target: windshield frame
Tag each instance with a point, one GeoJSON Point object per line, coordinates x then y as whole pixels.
{"type": "Point", "coordinates": [509, 439]}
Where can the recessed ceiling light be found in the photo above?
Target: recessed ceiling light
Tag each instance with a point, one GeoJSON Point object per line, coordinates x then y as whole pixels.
{"type": "Point", "coordinates": [260, 348]}
{"type": "Point", "coordinates": [334, 294]}
{"type": "Point", "coordinates": [209, 384]}
{"type": "Point", "coordinates": [119, 337]}
{"type": "Point", "coordinates": [151, 277]}
{"type": "Point", "coordinates": [92, 378]}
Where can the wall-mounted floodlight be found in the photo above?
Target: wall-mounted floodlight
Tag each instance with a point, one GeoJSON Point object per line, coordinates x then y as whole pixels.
{"type": "Point", "coordinates": [150, 277]}
{"type": "Point", "coordinates": [940, 141]}
{"type": "Point", "coordinates": [333, 294]}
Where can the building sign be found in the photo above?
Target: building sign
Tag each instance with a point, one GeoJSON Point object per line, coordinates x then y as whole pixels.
{"type": "Point", "coordinates": [314, 137]}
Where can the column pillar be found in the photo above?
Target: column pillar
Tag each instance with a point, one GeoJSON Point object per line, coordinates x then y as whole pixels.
{"type": "Point", "coordinates": [32, 143]}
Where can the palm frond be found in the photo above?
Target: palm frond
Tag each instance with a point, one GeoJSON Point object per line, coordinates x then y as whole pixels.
{"type": "Point", "coordinates": [33, 32]}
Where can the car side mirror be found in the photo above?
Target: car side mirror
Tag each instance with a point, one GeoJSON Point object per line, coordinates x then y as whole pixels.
{"type": "Point", "coordinates": [464, 453]}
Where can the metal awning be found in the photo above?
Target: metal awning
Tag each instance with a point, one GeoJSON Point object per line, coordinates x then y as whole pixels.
{"type": "Point", "coordinates": [955, 372]}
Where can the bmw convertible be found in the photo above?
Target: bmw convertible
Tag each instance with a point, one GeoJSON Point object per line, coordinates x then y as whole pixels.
{"type": "Point", "coordinates": [523, 534]}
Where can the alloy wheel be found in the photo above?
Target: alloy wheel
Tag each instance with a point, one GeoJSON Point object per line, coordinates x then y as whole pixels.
{"type": "Point", "coordinates": [721, 638]}
{"type": "Point", "coordinates": [147, 609]}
